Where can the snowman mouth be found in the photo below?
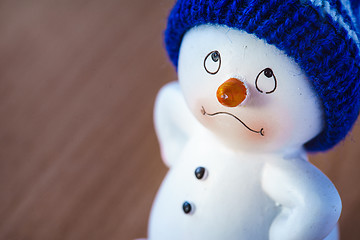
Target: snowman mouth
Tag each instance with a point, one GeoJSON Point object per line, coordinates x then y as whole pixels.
{"type": "Point", "coordinates": [203, 112]}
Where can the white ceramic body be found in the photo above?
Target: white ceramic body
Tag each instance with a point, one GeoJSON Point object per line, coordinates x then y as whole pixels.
{"type": "Point", "coordinates": [258, 186]}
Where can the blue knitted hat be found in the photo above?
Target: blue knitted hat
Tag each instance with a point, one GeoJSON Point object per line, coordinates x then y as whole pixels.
{"type": "Point", "coordinates": [322, 36]}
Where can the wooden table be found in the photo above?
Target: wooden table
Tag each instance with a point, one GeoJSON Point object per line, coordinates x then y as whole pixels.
{"type": "Point", "coordinates": [79, 156]}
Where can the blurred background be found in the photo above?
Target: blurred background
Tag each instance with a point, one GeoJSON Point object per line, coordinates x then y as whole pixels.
{"type": "Point", "coordinates": [79, 158]}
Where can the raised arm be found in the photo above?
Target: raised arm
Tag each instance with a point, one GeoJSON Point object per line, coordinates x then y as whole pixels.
{"type": "Point", "coordinates": [310, 204]}
{"type": "Point", "coordinates": [174, 122]}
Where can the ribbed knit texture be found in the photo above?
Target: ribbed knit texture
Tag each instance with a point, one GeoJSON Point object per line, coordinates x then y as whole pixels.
{"type": "Point", "coordinates": [319, 44]}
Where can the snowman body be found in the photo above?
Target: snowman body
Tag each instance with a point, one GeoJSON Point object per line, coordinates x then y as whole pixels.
{"type": "Point", "coordinates": [241, 112]}
{"type": "Point", "coordinates": [228, 203]}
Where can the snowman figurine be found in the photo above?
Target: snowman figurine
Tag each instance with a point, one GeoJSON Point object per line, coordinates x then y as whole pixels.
{"type": "Point", "coordinates": [260, 85]}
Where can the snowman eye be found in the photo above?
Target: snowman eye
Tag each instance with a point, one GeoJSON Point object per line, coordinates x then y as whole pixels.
{"type": "Point", "coordinates": [266, 81]}
{"type": "Point", "coordinates": [212, 62]}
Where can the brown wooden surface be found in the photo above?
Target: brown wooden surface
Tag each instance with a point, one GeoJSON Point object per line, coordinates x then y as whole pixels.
{"type": "Point", "coordinates": [78, 155]}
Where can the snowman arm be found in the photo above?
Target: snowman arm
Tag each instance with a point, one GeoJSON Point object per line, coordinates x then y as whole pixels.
{"type": "Point", "coordinates": [173, 122]}
{"type": "Point", "coordinates": [309, 203]}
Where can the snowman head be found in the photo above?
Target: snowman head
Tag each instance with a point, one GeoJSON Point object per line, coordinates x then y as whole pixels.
{"type": "Point", "coordinates": [251, 95]}
{"type": "Point", "coordinates": [269, 76]}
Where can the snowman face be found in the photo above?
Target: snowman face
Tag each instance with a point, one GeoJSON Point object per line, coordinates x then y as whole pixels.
{"type": "Point", "coordinates": [251, 95]}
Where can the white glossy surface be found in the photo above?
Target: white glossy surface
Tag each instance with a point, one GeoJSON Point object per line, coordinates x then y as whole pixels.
{"type": "Point", "coordinates": [258, 187]}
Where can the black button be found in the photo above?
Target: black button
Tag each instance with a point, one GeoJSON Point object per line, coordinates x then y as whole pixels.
{"type": "Point", "coordinates": [200, 173]}
{"type": "Point", "coordinates": [187, 207]}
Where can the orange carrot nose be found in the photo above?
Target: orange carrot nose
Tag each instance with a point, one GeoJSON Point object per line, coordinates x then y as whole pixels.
{"type": "Point", "coordinates": [231, 93]}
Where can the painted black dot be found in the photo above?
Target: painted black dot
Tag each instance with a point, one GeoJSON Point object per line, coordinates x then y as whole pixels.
{"type": "Point", "coordinates": [268, 72]}
{"type": "Point", "coordinates": [187, 207]}
{"type": "Point", "coordinates": [200, 172]}
{"type": "Point", "coordinates": [215, 56]}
